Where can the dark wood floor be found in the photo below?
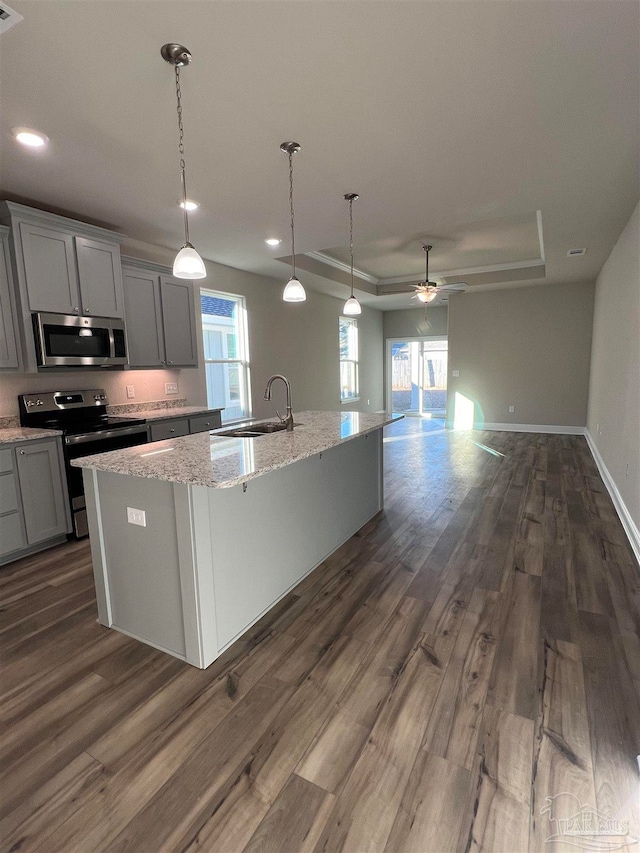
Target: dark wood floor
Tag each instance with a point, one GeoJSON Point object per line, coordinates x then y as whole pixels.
{"type": "Point", "coordinates": [473, 651]}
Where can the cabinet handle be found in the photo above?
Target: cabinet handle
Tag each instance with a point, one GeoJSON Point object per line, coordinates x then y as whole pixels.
{"type": "Point", "coordinates": [171, 430]}
{"type": "Point", "coordinates": [169, 362]}
{"type": "Point", "coordinates": [86, 311]}
{"type": "Point", "coordinates": [22, 452]}
{"type": "Point", "coordinates": [76, 310]}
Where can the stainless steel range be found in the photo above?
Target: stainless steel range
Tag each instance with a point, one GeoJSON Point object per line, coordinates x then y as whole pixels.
{"type": "Point", "coordinates": [87, 428]}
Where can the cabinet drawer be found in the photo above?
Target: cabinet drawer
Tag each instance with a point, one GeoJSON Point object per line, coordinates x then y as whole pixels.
{"type": "Point", "coordinates": [169, 429]}
{"type": "Point", "coordinates": [11, 535]}
{"type": "Point", "coordinates": [202, 423]}
{"type": "Point", "coordinates": [6, 460]}
{"type": "Point", "coordinates": [8, 493]}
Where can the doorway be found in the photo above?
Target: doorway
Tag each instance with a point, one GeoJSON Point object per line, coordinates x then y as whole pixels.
{"type": "Point", "coordinates": [417, 376]}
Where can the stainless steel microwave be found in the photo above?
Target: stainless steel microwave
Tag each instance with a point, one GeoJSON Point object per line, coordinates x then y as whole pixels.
{"type": "Point", "coordinates": [64, 340]}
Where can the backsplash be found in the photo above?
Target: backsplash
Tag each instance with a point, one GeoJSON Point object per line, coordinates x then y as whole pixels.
{"type": "Point", "coordinates": [126, 408]}
{"type": "Point", "coordinates": [148, 385]}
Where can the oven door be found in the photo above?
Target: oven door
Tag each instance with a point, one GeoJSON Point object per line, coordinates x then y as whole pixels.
{"type": "Point", "coordinates": [68, 341]}
{"type": "Point", "coordinates": [86, 445]}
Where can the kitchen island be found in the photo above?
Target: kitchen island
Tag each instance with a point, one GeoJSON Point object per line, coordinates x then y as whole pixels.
{"type": "Point", "coordinates": [194, 539]}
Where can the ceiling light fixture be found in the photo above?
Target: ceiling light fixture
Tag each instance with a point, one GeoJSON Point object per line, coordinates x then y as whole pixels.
{"type": "Point", "coordinates": [188, 263]}
{"type": "Point", "coordinates": [29, 138]}
{"type": "Point", "coordinates": [351, 306]}
{"type": "Point", "coordinates": [189, 204]}
{"type": "Point", "coordinates": [294, 291]}
{"type": "Point", "coordinates": [427, 290]}
{"type": "Point", "coordinates": [273, 241]}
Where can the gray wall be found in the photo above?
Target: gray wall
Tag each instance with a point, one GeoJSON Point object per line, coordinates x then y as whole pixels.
{"type": "Point", "coordinates": [528, 347]}
{"type": "Point", "coordinates": [614, 389]}
{"type": "Point", "coordinates": [300, 341]}
{"type": "Point", "coordinates": [412, 323]}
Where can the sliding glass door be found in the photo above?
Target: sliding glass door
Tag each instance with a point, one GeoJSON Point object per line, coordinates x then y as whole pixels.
{"type": "Point", "coordinates": [417, 376]}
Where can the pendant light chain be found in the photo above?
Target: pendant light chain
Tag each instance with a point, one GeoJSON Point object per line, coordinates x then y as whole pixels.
{"type": "Point", "coordinates": [293, 238]}
{"type": "Point", "coordinates": [181, 151]}
{"type": "Point", "coordinates": [351, 239]}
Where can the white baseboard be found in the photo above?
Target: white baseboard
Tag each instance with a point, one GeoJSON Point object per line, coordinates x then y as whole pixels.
{"type": "Point", "coordinates": [547, 428]}
{"type": "Point", "coordinates": [630, 527]}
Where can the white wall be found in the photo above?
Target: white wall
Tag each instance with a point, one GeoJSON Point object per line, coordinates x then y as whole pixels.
{"type": "Point", "coordinates": [614, 388]}
{"type": "Point", "coordinates": [528, 347]}
{"type": "Point", "coordinates": [413, 323]}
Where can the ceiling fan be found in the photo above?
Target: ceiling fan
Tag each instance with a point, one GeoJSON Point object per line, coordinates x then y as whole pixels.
{"type": "Point", "coordinates": [426, 291]}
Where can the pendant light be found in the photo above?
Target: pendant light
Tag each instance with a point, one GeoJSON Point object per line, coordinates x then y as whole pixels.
{"type": "Point", "coordinates": [294, 291]}
{"type": "Point", "coordinates": [188, 263]}
{"type": "Point", "coordinates": [351, 306]}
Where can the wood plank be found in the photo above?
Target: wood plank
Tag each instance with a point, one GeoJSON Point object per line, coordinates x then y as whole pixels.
{"type": "Point", "coordinates": [562, 745]}
{"type": "Point", "coordinates": [498, 818]}
{"type": "Point", "coordinates": [512, 686]}
{"type": "Point", "coordinates": [367, 805]}
{"type": "Point", "coordinates": [456, 718]}
{"type": "Point", "coordinates": [430, 816]}
{"type": "Point", "coordinates": [294, 821]}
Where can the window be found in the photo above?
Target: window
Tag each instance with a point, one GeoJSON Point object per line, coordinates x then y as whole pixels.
{"type": "Point", "coordinates": [226, 353]}
{"type": "Point", "coordinates": [348, 336]}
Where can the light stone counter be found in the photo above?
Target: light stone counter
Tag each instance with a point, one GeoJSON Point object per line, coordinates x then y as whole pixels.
{"type": "Point", "coordinates": [208, 459]}
{"type": "Point", "coordinates": [166, 414]}
{"type": "Point", "coordinates": [13, 434]}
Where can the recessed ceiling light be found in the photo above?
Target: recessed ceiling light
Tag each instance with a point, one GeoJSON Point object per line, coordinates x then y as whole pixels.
{"type": "Point", "coordinates": [576, 253]}
{"type": "Point", "coordinates": [190, 204]}
{"type": "Point", "coordinates": [273, 241]}
{"type": "Point", "coordinates": [29, 137]}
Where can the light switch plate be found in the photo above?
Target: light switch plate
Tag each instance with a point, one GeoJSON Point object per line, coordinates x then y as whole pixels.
{"type": "Point", "coordinates": [136, 516]}
{"type": "Point", "coordinates": [131, 392]}
{"type": "Point", "coordinates": [455, 373]}
{"type": "Point", "coordinates": [170, 387]}
{"type": "Point", "coordinates": [512, 408]}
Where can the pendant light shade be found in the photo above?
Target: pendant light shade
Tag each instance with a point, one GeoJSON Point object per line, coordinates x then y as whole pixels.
{"type": "Point", "coordinates": [294, 291]}
{"type": "Point", "coordinates": [351, 306]}
{"type": "Point", "coordinates": [188, 263]}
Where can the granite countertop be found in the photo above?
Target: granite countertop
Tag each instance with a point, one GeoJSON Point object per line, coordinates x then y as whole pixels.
{"type": "Point", "coordinates": [219, 462]}
{"type": "Point", "coordinates": [166, 414]}
{"type": "Point", "coordinates": [12, 434]}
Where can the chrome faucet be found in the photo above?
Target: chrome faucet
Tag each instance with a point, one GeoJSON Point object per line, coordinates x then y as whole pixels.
{"type": "Point", "coordinates": [288, 420]}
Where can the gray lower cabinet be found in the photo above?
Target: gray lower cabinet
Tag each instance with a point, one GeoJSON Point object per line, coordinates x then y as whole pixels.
{"type": "Point", "coordinates": [9, 359]}
{"type": "Point", "coordinates": [175, 427]}
{"type": "Point", "coordinates": [160, 312]}
{"type": "Point", "coordinates": [34, 511]}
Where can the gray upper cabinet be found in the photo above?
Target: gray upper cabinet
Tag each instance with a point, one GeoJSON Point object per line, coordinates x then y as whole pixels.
{"type": "Point", "coordinates": [160, 313]}
{"type": "Point", "coordinates": [60, 266]}
{"type": "Point", "coordinates": [41, 486]}
{"type": "Point", "coordinates": [100, 274]}
{"type": "Point", "coordinates": [144, 318]}
{"type": "Point", "coordinates": [9, 359]}
{"type": "Point", "coordinates": [178, 322]}
{"type": "Point", "coordinates": [50, 269]}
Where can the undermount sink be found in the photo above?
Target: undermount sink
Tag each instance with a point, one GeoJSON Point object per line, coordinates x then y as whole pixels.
{"type": "Point", "coordinates": [254, 430]}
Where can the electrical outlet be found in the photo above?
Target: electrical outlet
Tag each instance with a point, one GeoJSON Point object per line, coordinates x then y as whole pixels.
{"type": "Point", "coordinates": [131, 392]}
{"type": "Point", "coordinates": [136, 516]}
{"type": "Point", "coordinates": [170, 387]}
{"type": "Point", "coordinates": [512, 408]}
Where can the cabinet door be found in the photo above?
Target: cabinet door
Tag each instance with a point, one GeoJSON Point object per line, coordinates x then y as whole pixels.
{"type": "Point", "coordinates": [100, 276]}
{"type": "Point", "coordinates": [144, 318]}
{"type": "Point", "coordinates": [43, 493]}
{"type": "Point", "coordinates": [178, 322]}
{"type": "Point", "coordinates": [50, 269]}
{"type": "Point", "coordinates": [169, 429]}
{"type": "Point", "coordinates": [8, 347]}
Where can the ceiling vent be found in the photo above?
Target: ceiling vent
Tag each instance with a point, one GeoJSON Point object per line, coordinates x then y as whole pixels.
{"type": "Point", "coordinates": [576, 253]}
{"type": "Point", "coordinates": [8, 18]}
